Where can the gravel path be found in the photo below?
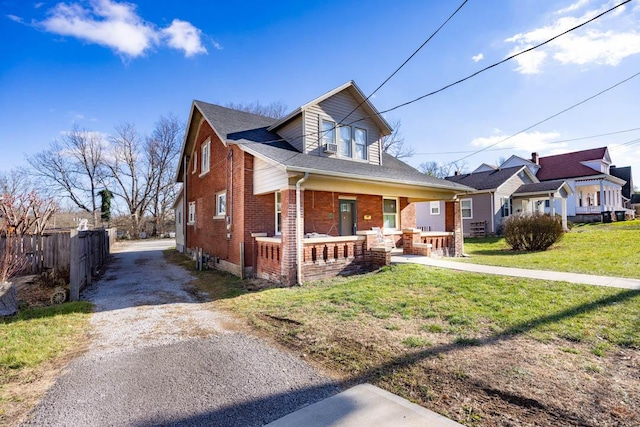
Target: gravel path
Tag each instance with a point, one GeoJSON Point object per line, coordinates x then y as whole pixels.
{"type": "Point", "coordinates": [159, 358]}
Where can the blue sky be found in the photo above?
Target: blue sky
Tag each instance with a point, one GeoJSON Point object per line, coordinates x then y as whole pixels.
{"type": "Point", "coordinates": [104, 62]}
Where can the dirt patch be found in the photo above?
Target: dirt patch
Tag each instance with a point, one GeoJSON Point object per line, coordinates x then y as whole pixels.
{"type": "Point", "coordinates": [510, 381]}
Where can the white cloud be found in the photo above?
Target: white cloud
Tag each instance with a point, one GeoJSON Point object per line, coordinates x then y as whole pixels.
{"type": "Point", "coordinates": [15, 18]}
{"type": "Point", "coordinates": [38, 5]}
{"type": "Point", "coordinates": [526, 141]}
{"type": "Point", "coordinates": [606, 41]}
{"type": "Point", "coordinates": [477, 58]}
{"type": "Point", "coordinates": [184, 36]}
{"type": "Point", "coordinates": [119, 27]}
{"type": "Point", "coordinates": [573, 7]}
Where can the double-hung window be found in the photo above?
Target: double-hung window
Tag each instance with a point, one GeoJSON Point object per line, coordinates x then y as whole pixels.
{"type": "Point", "coordinates": [205, 157]}
{"type": "Point", "coordinates": [360, 143]}
{"type": "Point", "coordinates": [278, 213]}
{"type": "Point", "coordinates": [221, 204]}
{"type": "Point", "coordinates": [506, 206]}
{"type": "Point", "coordinates": [466, 208]}
{"type": "Point", "coordinates": [328, 132]}
{"type": "Point", "coordinates": [390, 213]}
{"type": "Point", "coordinates": [434, 208]}
{"type": "Point", "coordinates": [192, 212]}
{"type": "Point", "coordinates": [345, 141]}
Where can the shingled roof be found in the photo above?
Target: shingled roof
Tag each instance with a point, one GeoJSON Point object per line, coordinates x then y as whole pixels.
{"type": "Point", "coordinates": [249, 132]}
{"type": "Point", "coordinates": [624, 173]}
{"type": "Point", "coordinates": [540, 187]}
{"type": "Point", "coordinates": [569, 165]}
{"type": "Point", "coordinates": [487, 180]}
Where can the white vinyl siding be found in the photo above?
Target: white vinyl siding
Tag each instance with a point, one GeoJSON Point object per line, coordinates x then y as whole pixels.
{"type": "Point", "coordinates": [267, 177]}
{"type": "Point", "coordinates": [336, 109]}
{"type": "Point", "coordinates": [466, 208]}
{"type": "Point", "coordinates": [292, 132]}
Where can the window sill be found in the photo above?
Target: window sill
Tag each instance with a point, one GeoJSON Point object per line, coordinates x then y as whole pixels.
{"type": "Point", "coordinates": [203, 174]}
{"type": "Point", "coordinates": [191, 223]}
{"type": "Point", "coordinates": [223, 216]}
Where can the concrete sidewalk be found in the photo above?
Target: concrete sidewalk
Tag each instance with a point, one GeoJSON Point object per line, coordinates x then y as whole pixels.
{"type": "Point", "coordinates": [364, 405]}
{"type": "Point", "coordinates": [613, 282]}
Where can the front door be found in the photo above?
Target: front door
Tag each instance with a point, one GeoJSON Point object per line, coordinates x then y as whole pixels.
{"type": "Point", "coordinates": [347, 217]}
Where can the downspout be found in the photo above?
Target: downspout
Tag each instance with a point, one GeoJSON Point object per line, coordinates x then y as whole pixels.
{"type": "Point", "coordinates": [299, 230]}
{"type": "Point", "coordinates": [184, 203]}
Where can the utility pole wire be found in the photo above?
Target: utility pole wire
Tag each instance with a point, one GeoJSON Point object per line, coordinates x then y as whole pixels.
{"type": "Point", "coordinates": [405, 62]}
{"type": "Point", "coordinates": [551, 117]}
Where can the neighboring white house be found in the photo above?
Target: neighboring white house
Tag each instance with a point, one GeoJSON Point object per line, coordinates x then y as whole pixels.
{"type": "Point", "coordinates": [178, 208]}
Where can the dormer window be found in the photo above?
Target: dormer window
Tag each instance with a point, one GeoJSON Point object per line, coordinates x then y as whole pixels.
{"type": "Point", "coordinates": [352, 141]}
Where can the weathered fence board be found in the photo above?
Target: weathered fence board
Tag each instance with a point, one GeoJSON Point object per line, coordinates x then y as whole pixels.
{"type": "Point", "coordinates": [81, 253]}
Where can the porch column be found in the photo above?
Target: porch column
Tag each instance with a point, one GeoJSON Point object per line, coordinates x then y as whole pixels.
{"type": "Point", "coordinates": [452, 209]}
{"type": "Point", "coordinates": [288, 264]}
{"type": "Point", "coordinates": [552, 205]}
{"type": "Point", "coordinates": [564, 214]}
{"type": "Point", "coordinates": [602, 201]}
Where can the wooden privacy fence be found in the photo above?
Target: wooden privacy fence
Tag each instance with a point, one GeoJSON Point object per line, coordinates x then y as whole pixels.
{"type": "Point", "coordinates": [81, 253]}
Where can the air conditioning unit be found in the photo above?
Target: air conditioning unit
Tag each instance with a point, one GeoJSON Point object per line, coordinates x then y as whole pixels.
{"type": "Point", "coordinates": [331, 148]}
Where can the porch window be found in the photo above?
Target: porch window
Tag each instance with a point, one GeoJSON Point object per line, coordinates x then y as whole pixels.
{"type": "Point", "coordinates": [360, 140]}
{"type": "Point", "coordinates": [192, 213]}
{"type": "Point", "coordinates": [221, 204]}
{"type": "Point", "coordinates": [434, 208]}
{"type": "Point", "coordinates": [345, 141]}
{"type": "Point", "coordinates": [506, 206]}
{"type": "Point", "coordinates": [466, 208]}
{"type": "Point", "coordinates": [205, 158]}
{"type": "Point", "coordinates": [328, 132]}
{"type": "Point", "coordinates": [278, 213]}
{"type": "Point", "coordinates": [390, 213]}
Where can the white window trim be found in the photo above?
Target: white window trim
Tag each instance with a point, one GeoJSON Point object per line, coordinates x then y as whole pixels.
{"type": "Point", "coordinates": [332, 131]}
{"type": "Point", "coordinates": [365, 147]}
{"type": "Point", "coordinates": [470, 208]}
{"type": "Point", "coordinates": [192, 213]}
{"type": "Point", "coordinates": [195, 161]}
{"type": "Point", "coordinates": [205, 158]}
{"type": "Point", "coordinates": [504, 202]}
{"type": "Point", "coordinates": [397, 227]}
{"type": "Point", "coordinates": [435, 205]}
{"type": "Point", "coordinates": [350, 142]}
{"type": "Point", "coordinates": [278, 231]}
{"type": "Point", "coordinates": [219, 214]}
{"type": "Point", "coordinates": [336, 139]}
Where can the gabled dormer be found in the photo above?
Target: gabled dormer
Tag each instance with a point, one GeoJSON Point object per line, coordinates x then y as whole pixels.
{"type": "Point", "coordinates": [600, 164]}
{"type": "Point", "coordinates": [342, 124]}
{"type": "Point", "coordinates": [514, 160]}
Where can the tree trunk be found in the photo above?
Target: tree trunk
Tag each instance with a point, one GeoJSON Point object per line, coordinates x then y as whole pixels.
{"type": "Point", "coordinates": [8, 299]}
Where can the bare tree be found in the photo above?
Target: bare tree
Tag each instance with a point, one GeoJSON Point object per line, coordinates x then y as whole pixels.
{"type": "Point", "coordinates": [394, 143]}
{"type": "Point", "coordinates": [163, 150]}
{"type": "Point", "coordinates": [442, 170]}
{"type": "Point", "coordinates": [130, 173]}
{"type": "Point", "coordinates": [275, 110]}
{"type": "Point", "coordinates": [25, 213]}
{"type": "Point", "coordinates": [72, 167]}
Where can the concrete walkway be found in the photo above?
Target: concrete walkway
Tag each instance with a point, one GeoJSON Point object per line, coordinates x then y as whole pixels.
{"type": "Point", "coordinates": [364, 405]}
{"type": "Point", "coordinates": [613, 282]}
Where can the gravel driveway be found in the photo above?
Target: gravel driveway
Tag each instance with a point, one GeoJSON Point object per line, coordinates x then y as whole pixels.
{"type": "Point", "coordinates": [158, 357]}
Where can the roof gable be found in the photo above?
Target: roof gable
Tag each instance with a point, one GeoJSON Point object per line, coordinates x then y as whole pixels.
{"type": "Point", "coordinates": [361, 99]}
{"type": "Point", "coordinates": [571, 165]}
{"type": "Point", "coordinates": [486, 180]}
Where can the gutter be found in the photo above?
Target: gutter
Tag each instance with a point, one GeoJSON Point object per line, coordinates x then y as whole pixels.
{"type": "Point", "coordinates": [299, 230]}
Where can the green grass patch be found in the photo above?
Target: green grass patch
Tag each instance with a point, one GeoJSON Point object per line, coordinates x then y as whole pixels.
{"type": "Point", "coordinates": [600, 249]}
{"type": "Point", "coordinates": [416, 342]}
{"type": "Point", "coordinates": [36, 335]}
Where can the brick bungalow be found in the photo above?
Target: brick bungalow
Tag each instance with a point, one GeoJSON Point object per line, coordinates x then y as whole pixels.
{"type": "Point", "coordinates": [303, 197]}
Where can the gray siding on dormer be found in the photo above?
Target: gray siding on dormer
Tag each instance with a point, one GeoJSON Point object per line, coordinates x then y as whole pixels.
{"type": "Point", "coordinates": [335, 109]}
{"type": "Point", "coordinates": [293, 133]}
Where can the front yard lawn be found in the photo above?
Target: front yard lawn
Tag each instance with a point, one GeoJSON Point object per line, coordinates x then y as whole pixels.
{"type": "Point", "coordinates": [481, 349]}
{"type": "Point", "coordinates": [34, 345]}
{"type": "Point", "coordinates": [600, 249]}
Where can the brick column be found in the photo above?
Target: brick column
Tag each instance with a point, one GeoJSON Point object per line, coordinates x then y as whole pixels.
{"type": "Point", "coordinates": [410, 236]}
{"type": "Point", "coordinates": [458, 240]}
{"type": "Point", "coordinates": [289, 235]}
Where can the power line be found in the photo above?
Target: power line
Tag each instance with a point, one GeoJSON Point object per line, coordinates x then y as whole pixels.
{"type": "Point", "coordinates": [550, 117]}
{"type": "Point", "coordinates": [551, 142]}
{"type": "Point", "coordinates": [500, 62]}
{"type": "Point", "coordinates": [415, 52]}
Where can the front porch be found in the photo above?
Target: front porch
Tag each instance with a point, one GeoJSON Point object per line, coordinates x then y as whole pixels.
{"type": "Point", "coordinates": [330, 256]}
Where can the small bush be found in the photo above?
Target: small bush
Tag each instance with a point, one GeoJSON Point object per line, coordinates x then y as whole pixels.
{"type": "Point", "coordinates": [532, 232]}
